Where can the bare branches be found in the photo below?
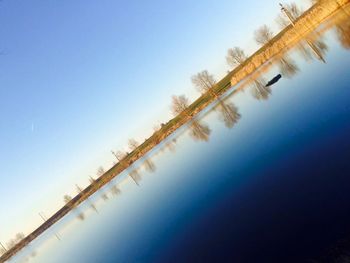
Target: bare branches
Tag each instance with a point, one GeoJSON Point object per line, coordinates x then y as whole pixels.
{"type": "Point", "coordinates": [294, 12]}
{"type": "Point", "coordinates": [235, 56]}
{"type": "Point", "coordinates": [92, 180]}
{"type": "Point", "coordinates": [100, 171]}
{"type": "Point", "coordinates": [204, 82]}
{"type": "Point", "coordinates": [119, 155]}
{"type": "Point", "coordinates": [133, 144]}
{"type": "Point", "coordinates": [263, 35]}
{"type": "Point", "coordinates": [79, 189]}
{"type": "Point", "coordinates": [179, 104]}
{"type": "Point", "coordinates": [67, 198]}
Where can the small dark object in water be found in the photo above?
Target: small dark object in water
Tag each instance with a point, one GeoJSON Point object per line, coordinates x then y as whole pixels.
{"type": "Point", "coordinates": [274, 80]}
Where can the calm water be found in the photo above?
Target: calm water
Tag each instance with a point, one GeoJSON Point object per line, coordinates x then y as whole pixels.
{"type": "Point", "coordinates": [269, 183]}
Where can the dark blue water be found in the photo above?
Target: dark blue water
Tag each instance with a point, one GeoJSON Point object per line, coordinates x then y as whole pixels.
{"type": "Point", "coordinates": [274, 188]}
{"type": "Point", "coordinates": [296, 207]}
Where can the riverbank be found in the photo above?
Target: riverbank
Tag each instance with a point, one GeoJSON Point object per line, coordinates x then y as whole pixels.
{"type": "Point", "coordinates": [283, 40]}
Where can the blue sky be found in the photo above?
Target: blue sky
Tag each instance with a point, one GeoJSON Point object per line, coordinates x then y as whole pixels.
{"type": "Point", "coordinates": [78, 78]}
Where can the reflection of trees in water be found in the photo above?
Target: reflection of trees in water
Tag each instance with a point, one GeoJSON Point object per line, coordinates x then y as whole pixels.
{"type": "Point", "coordinates": [321, 46]}
{"type": "Point", "coordinates": [135, 176]}
{"type": "Point", "coordinates": [343, 28]}
{"type": "Point", "coordinates": [67, 199]}
{"type": "Point", "coordinates": [288, 67]}
{"type": "Point", "coordinates": [343, 32]}
{"type": "Point", "coordinates": [304, 50]}
{"type": "Point", "coordinates": [92, 205]}
{"type": "Point", "coordinates": [30, 256]}
{"type": "Point", "coordinates": [115, 190]}
{"type": "Point", "coordinates": [171, 145]}
{"type": "Point", "coordinates": [81, 216]}
{"type": "Point", "coordinates": [149, 165]}
{"type": "Point", "coordinates": [228, 113]}
{"type": "Point", "coordinates": [199, 131]}
{"type": "Point", "coordinates": [259, 89]}
{"type": "Point", "coordinates": [104, 196]}
{"type": "Point", "coordinates": [313, 45]}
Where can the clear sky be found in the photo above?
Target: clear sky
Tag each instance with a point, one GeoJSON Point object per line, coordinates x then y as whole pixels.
{"type": "Point", "coordinates": [78, 78]}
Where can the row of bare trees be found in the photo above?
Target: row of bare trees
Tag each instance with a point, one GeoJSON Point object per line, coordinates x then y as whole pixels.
{"type": "Point", "coordinates": [206, 84]}
{"type": "Point", "coordinates": [11, 243]}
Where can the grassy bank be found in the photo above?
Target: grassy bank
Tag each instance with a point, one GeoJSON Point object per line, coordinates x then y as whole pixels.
{"type": "Point", "coordinates": [283, 40]}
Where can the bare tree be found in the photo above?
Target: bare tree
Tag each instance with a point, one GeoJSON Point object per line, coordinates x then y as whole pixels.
{"type": "Point", "coordinates": [119, 155]}
{"type": "Point", "coordinates": [19, 237]}
{"type": "Point", "coordinates": [10, 244]}
{"type": "Point", "coordinates": [133, 144]}
{"type": "Point", "coordinates": [235, 56]}
{"type": "Point", "coordinates": [204, 82]}
{"type": "Point", "coordinates": [92, 180]}
{"type": "Point", "coordinates": [79, 189]}
{"type": "Point", "coordinates": [293, 10]}
{"type": "Point", "coordinates": [100, 171]}
{"type": "Point", "coordinates": [282, 21]}
{"type": "Point", "coordinates": [13, 242]}
{"type": "Point", "coordinates": [67, 198]}
{"type": "Point", "coordinates": [179, 104]}
{"type": "Point", "coordinates": [263, 35]}
{"type": "Point", "coordinates": [156, 133]}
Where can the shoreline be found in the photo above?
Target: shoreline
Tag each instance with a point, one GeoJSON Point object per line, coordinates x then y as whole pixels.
{"type": "Point", "coordinates": [285, 39]}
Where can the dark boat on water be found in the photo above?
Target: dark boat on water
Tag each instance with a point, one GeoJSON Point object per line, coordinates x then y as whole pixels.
{"type": "Point", "coordinates": [274, 80]}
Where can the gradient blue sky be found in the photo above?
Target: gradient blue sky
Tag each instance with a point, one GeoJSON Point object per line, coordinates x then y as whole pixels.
{"type": "Point", "coordinates": [78, 78]}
